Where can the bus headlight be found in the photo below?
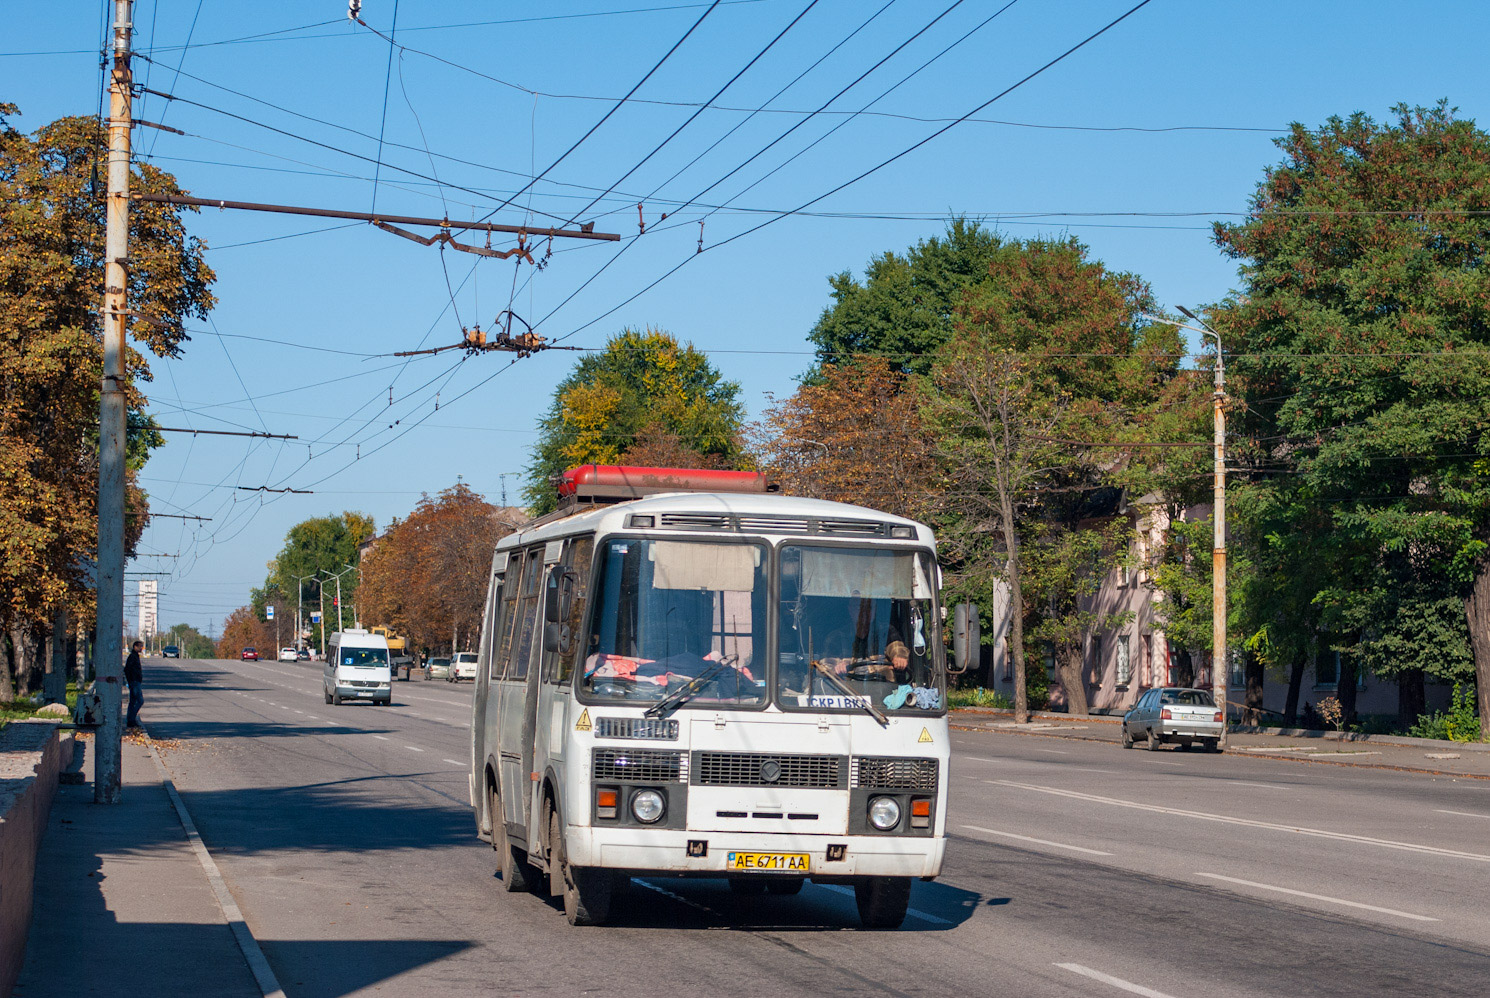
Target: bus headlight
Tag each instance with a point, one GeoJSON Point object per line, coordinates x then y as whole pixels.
{"type": "Point", "coordinates": [647, 805]}
{"type": "Point", "coordinates": [884, 813]}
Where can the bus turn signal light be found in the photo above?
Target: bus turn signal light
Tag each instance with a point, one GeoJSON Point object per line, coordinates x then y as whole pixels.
{"type": "Point", "coordinates": [920, 814]}
{"type": "Point", "coordinates": [605, 803]}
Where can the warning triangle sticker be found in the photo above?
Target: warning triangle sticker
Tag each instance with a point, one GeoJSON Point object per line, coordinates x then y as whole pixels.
{"type": "Point", "coordinates": [583, 724]}
{"type": "Point", "coordinates": [925, 735]}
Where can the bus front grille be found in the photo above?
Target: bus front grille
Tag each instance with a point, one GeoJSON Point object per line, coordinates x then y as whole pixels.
{"type": "Point", "coordinates": [754, 769]}
{"type": "Point", "coordinates": [615, 765]}
{"type": "Point", "coordinates": [893, 774]}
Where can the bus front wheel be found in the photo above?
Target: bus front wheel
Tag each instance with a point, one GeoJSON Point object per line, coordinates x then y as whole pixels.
{"type": "Point", "coordinates": [882, 901]}
{"type": "Point", "coordinates": [586, 892]}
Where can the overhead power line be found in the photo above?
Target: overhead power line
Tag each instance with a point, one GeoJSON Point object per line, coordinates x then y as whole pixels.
{"type": "Point", "coordinates": [225, 433]}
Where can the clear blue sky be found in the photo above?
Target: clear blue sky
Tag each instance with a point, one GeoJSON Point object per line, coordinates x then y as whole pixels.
{"type": "Point", "coordinates": [504, 89]}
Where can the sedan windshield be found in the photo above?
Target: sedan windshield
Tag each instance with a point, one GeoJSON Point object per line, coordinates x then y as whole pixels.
{"type": "Point", "coordinates": [857, 628]}
{"type": "Point", "coordinates": [671, 612]}
{"type": "Point", "coordinates": [1187, 698]}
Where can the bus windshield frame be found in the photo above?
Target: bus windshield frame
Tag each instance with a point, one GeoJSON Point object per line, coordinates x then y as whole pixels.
{"type": "Point", "coordinates": [864, 615]}
{"type": "Point", "coordinates": [668, 610]}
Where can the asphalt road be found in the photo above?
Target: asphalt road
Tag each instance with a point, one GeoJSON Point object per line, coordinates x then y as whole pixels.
{"type": "Point", "coordinates": [1074, 868]}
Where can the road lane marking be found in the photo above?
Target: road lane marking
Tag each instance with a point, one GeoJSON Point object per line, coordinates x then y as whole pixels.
{"type": "Point", "coordinates": [1116, 982]}
{"type": "Point", "coordinates": [1250, 822]}
{"type": "Point", "coordinates": [1318, 897]}
{"type": "Point", "coordinates": [381, 738]}
{"type": "Point", "coordinates": [1467, 814]}
{"type": "Point", "coordinates": [1265, 786]}
{"type": "Point", "coordinates": [413, 748]}
{"type": "Point", "coordinates": [1053, 751]}
{"type": "Point", "coordinates": [1043, 842]}
{"type": "Point", "coordinates": [913, 912]}
{"type": "Point", "coordinates": [453, 762]}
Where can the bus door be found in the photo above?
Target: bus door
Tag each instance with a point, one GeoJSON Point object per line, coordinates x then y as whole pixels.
{"type": "Point", "coordinates": [534, 646]}
{"type": "Point", "coordinates": [516, 759]}
{"type": "Point", "coordinates": [564, 591]}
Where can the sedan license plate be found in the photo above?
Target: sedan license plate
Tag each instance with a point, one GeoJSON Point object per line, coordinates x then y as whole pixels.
{"type": "Point", "coordinates": [768, 862]}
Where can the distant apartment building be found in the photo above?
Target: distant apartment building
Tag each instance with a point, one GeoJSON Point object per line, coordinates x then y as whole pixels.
{"type": "Point", "coordinates": [149, 616]}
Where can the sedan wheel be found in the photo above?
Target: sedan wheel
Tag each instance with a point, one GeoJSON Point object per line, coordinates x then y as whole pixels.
{"type": "Point", "coordinates": [1127, 736]}
{"type": "Point", "coordinates": [1154, 742]}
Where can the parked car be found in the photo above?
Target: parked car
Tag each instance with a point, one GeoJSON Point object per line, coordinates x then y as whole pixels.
{"type": "Point", "coordinates": [462, 666]}
{"type": "Point", "coordinates": [170, 651]}
{"type": "Point", "coordinates": [288, 655]}
{"type": "Point", "coordinates": [437, 668]}
{"type": "Point", "coordinates": [250, 654]}
{"type": "Point", "coordinates": [303, 655]}
{"type": "Point", "coordinates": [1170, 714]}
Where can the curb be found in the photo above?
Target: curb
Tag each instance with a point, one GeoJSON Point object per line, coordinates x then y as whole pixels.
{"type": "Point", "coordinates": [1406, 741]}
{"type": "Point", "coordinates": [258, 964]}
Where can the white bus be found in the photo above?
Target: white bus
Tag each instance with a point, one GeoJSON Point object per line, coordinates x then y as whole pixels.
{"type": "Point", "coordinates": [711, 683]}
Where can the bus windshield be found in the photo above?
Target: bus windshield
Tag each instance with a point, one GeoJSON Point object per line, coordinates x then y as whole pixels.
{"type": "Point", "coordinates": [857, 628]}
{"type": "Point", "coordinates": [670, 612]}
{"type": "Point", "coordinates": [364, 658]}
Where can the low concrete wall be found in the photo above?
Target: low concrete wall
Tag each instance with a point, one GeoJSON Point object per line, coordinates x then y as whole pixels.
{"type": "Point", "coordinates": [31, 755]}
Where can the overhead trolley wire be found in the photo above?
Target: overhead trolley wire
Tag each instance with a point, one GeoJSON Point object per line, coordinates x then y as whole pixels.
{"type": "Point", "coordinates": [873, 169]}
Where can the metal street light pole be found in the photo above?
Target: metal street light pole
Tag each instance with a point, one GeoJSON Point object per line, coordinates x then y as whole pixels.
{"type": "Point", "coordinates": [299, 600]}
{"type": "Point", "coordinates": [1220, 662]}
{"type": "Point", "coordinates": [337, 576]}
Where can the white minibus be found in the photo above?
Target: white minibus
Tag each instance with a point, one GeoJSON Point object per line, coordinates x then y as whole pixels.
{"type": "Point", "coordinates": [357, 667]}
{"type": "Point", "coordinates": [683, 674]}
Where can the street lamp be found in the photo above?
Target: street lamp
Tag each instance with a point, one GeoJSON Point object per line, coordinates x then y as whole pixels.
{"type": "Point", "coordinates": [337, 576]}
{"type": "Point", "coordinates": [300, 599]}
{"type": "Point", "coordinates": [1220, 666]}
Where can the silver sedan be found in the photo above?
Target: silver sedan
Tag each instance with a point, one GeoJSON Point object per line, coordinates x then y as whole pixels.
{"type": "Point", "coordinates": [1173, 714]}
{"type": "Point", "coordinates": [437, 668]}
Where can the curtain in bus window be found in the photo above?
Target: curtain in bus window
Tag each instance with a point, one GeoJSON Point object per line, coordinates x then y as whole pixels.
{"type": "Point", "coordinates": [866, 574]}
{"type": "Point", "coordinates": [681, 565]}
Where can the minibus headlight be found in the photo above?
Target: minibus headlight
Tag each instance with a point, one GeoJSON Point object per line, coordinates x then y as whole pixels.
{"type": "Point", "coordinates": [884, 813]}
{"type": "Point", "coordinates": [647, 805]}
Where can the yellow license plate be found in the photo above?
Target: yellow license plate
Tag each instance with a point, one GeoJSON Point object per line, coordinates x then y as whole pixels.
{"type": "Point", "coordinates": [768, 862]}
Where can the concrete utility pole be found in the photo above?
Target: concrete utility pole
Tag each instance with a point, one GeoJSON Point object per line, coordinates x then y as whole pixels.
{"type": "Point", "coordinates": [110, 655]}
{"type": "Point", "coordinates": [1220, 663]}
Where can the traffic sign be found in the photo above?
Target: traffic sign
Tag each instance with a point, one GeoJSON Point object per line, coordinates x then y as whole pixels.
{"type": "Point", "coordinates": [269, 612]}
{"type": "Point", "coordinates": [315, 616]}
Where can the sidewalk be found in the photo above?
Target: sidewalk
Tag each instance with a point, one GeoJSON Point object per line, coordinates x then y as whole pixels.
{"type": "Point", "coordinates": [123, 907]}
{"type": "Point", "coordinates": [1414, 755]}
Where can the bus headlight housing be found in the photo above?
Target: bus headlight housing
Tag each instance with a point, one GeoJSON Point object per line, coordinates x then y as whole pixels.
{"type": "Point", "coordinates": [884, 813]}
{"type": "Point", "coordinates": [647, 806]}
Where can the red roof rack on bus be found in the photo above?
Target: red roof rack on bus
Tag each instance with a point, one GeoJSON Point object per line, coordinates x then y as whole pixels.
{"type": "Point", "coordinates": [618, 482]}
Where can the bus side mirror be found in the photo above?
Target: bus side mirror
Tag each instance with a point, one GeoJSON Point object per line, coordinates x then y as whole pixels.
{"type": "Point", "coordinates": [552, 638]}
{"type": "Point", "coordinates": [966, 636]}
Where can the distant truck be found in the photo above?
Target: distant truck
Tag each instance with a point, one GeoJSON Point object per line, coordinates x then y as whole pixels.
{"type": "Point", "coordinates": [402, 662]}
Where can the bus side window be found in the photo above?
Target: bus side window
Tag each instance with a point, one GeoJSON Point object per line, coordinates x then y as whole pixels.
{"type": "Point", "coordinates": [499, 663]}
{"type": "Point", "coordinates": [496, 619]}
{"type": "Point", "coordinates": [577, 556]}
{"type": "Point", "coordinates": [528, 614]}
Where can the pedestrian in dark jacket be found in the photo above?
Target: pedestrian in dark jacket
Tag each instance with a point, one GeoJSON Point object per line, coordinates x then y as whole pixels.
{"type": "Point", "coordinates": [133, 674]}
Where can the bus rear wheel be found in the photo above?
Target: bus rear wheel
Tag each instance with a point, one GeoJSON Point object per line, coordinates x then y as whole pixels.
{"type": "Point", "coordinates": [586, 892]}
{"type": "Point", "coordinates": [517, 873]}
{"type": "Point", "coordinates": [882, 901]}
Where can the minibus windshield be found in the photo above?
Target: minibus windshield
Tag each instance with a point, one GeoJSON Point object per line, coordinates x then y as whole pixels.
{"type": "Point", "coordinates": [858, 629]}
{"type": "Point", "coordinates": [363, 658]}
{"type": "Point", "coordinates": [673, 613]}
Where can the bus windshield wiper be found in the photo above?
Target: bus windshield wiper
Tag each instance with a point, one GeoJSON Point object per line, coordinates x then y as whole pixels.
{"type": "Point", "coordinates": [846, 690]}
{"type": "Point", "coordinates": [681, 696]}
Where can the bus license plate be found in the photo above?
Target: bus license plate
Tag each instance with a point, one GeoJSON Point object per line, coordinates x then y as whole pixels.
{"type": "Point", "coordinates": [768, 862]}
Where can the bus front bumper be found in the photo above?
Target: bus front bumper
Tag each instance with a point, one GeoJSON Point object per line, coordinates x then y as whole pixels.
{"type": "Point", "coordinates": [678, 851]}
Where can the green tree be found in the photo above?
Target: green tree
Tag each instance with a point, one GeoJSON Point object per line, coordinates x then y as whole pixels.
{"type": "Point", "coordinates": [51, 277]}
{"type": "Point", "coordinates": [904, 308]}
{"type": "Point", "coordinates": [1362, 341]}
{"type": "Point", "coordinates": [643, 393]}
{"type": "Point", "coordinates": [314, 547]}
{"type": "Point", "coordinates": [1050, 347]}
